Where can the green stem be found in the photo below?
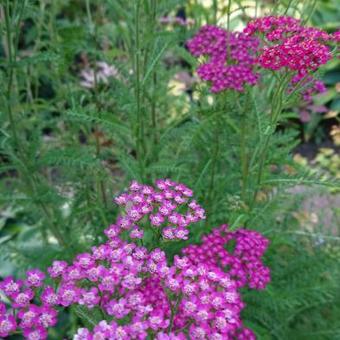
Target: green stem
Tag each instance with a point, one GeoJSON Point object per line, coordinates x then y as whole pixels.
{"type": "Point", "coordinates": [153, 111]}
{"type": "Point", "coordinates": [215, 9]}
{"type": "Point", "coordinates": [89, 16]}
{"type": "Point", "coordinates": [214, 165]}
{"type": "Point", "coordinates": [93, 33]}
{"type": "Point", "coordinates": [140, 148]}
{"type": "Point", "coordinates": [154, 88]}
{"type": "Point", "coordinates": [10, 68]}
{"type": "Point", "coordinates": [311, 12]}
{"type": "Point", "coordinates": [228, 27]}
{"type": "Point", "coordinates": [256, 8]}
{"type": "Point", "coordinates": [276, 110]}
{"type": "Point", "coordinates": [173, 312]}
{"type": "Point", "coordinates": [244, 158]}
{"type": "Point", "coordinates": [243, 150]}
{"type": "Point", "coordinates": [288, 7]}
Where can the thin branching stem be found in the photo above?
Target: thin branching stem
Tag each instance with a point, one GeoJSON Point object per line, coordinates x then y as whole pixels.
{"type": "Point", "coordinates": [276, 109]}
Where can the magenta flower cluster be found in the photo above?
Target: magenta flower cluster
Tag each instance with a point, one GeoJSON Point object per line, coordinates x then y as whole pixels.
{"type": "Point", "coordinates": [272, 42]}
{"type": "Point", "coordinates": [162, 206]}
{"type": "Point", "coordinates": [336, 36]}
{"type": "Point", "coordinates": [287, 44]}
{"type": "Point", "coordinates": [231, 58]}
{"type": "Point", "coordinates": [243, 261]}
{"type": "Point", "coordinates": [138, 292]}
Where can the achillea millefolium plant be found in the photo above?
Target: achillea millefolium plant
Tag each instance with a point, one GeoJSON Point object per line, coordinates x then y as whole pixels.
{"type": "Point", "coordinates": [90, 105]}
{"type": "Point", "coordinates": [130, 282]}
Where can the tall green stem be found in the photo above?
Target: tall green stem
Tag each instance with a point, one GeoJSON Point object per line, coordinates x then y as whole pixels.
{"type": "Point", "coordinates": [215, 8]}
{"type": "Point", "coordinates": [256, 8]}
{"type": "Point", "coordinates": [288, 6]}
{"type": "Point", "coordinates": [243, 150]}
{"type": "Point", "coordinates": [140, 148]}
{"type": "Point", "coordinates": [154, 87]}
{"type": "Point", "coordinates": [10, 68]}
{"type": "Point", "coordinates": [276, 110]}
{"type": "Point", "coordinates": [244, 158]}
{"type": "Point", "coordinates": [214, 161]}
{"type": "Point", "coordinates": [228, 27]}
{"type": "Point", "coordinates": [93, 33]}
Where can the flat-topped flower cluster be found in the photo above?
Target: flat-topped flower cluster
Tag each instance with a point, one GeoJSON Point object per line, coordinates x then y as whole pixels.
{"type": "Point", "coordinates": [272, 42]}
{"type": "Point", "coordinates": [231, 58]}
{"type": "Point", "coordinates": [162, 205]}
{"type": "Point", "coordinates": [243, 260]}
{"type": "Point", "coordinates": [288, 44]}
{"type": "Point", "coordinates": [137, 291]}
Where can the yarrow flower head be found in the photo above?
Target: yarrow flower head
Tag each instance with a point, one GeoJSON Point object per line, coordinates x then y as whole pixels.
{"type": "Point", "coordinates": [35, 278]}
{"type": "Point", "coordinates": [231, 57]}
{"type": "Point", "coordinates": [7, 325]}
{"type": "Point", "coordinates": [139, 293]}
{"type": "Point", "coordinates": [243, 261]}
{"type": "Point", "coordinates": [164, 205]}
{"type": "Point", "coordinates": [287, 44]}
{"type": "Point", "coordinates": [10, 287]}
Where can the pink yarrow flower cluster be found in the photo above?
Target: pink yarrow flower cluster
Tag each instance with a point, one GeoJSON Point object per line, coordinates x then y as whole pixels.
{"type": "Point", "coordinates": [231, 58]}
{"type": "Point", "coordinates": [137, 290]}
{"type": "Point", "coordinates": [287, 44]}
{"type": "Point", "coordinates": [336, 36]}
{"type": "Point", "coordinates": [244, 260]}
{"type": "Point", "coordinates": [32, 319]}
{"type": "Point", "coordinates": [162, 206]}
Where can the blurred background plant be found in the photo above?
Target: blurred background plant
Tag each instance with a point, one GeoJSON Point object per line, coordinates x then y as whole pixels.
{"type": "Point", "coordinates": [96, 93]}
